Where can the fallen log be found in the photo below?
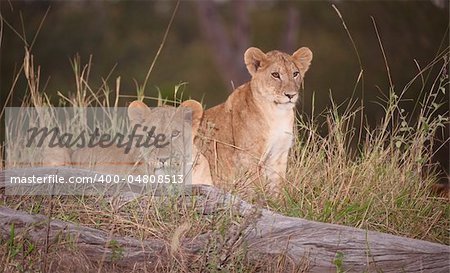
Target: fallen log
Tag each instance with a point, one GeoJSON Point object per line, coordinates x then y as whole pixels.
{"type": "Point", "coordinates": [266, 234]}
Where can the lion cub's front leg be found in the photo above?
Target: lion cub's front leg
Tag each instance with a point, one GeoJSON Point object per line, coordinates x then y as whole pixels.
{"type": "Point", "coordinates": [273, 171]}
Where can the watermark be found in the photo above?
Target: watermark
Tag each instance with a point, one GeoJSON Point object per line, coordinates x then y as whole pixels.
{"type": "Point", "coordinates": [54, 138]}
{"type": "Point", "coordinates": [73, 151]}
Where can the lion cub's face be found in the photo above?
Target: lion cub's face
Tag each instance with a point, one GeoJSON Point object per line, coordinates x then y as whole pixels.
{"type": "Point", "coordinates": [277, 76]}
{"type": "Point", "coordinates": [169, 123]}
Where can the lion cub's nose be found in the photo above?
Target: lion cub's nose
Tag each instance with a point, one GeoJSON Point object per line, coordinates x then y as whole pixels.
{"type": "Point", "coordinates": [290, 95]}
{"type": "Point", "coordinates": [163, 160]}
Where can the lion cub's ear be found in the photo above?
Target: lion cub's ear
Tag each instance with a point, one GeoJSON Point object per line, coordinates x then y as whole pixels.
{"type": "Point", "coordinates": [302, 59]}
{"type": "Point", "coordinates": [197, 113]}
{"type": "Point", "coordinates": [137, 112]}
{"type": "Point", "coordinates": [253, 58]}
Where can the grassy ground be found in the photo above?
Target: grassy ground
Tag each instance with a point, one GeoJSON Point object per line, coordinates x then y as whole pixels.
{"type": "Point", "coordinates": [376, 179]}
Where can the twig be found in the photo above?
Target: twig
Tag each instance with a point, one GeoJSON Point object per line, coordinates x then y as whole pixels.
{"type": "Point", "coordinates": [391, 85]}
{"type": "Point", "coordinates": [160, 46]}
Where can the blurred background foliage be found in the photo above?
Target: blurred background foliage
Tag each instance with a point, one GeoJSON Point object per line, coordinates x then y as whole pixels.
{"type": "Point", "coordinates": [207, 40]}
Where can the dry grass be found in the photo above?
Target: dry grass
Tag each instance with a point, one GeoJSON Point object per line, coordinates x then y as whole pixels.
{"type": "Point", "coordinates": [379, 181]}
{"type": "Point", "coordinates": [382, 182]}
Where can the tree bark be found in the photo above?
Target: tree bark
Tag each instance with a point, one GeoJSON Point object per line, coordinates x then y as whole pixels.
{"type": "Point", "coordinates": [226, 47]}
{"type": "Point", "coordinates": [291, 30]}
{"type": "Point", "coordinates": [266, 234]}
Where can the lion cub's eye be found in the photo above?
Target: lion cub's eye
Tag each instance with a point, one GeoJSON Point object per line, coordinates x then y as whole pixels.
{"type": "Point", "coordinates": [296, 74]}
{"type": "Point", "coordinates": [175, 133]}
{"type": "Point", "coordinates": [276, 75]}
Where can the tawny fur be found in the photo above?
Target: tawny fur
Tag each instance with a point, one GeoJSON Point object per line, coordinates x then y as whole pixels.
{"type": "Point", "coordinates": [252, 131]}
{"type": "Point", "coordinates": [114, 160]}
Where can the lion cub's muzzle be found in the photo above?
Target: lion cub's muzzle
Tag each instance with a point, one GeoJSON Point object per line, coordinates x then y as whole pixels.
{"type": "Point", "coordinates": [290, 97]}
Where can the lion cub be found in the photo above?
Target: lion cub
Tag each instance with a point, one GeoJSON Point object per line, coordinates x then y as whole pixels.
{"type": "Point", "coordinates": [114, 160]}
{"type": "Point", "coordinates": [251, 133]}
